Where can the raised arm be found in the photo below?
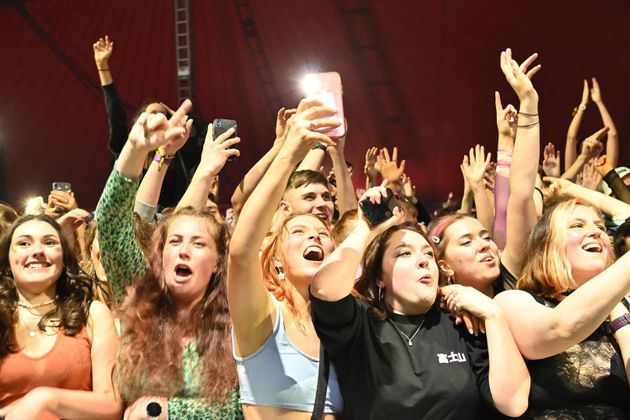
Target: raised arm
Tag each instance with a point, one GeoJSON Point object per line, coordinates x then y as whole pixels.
{"type": "Point", "coordinates": [346, 197]}
{"type": "Point", "coordinates": [606, 204]}
{"type": "Point", "coordinates": [370, 169]}
{"type": "Point", "coordinates": [335, 279]}
{"type": "Point", "coordinates": [255, 174]}
{"type": "Point", "coordinates": [545, 332]}
{"type": "Point", "coordinates": [116, 116]}
{"type": "Point", "coordinates": [474, 168]}
{"type": "Point", "coordinates": [122, 257]}
{"type": "Point", "coordinates": [103, 49]}
{"type": "Point", "coordinates": [570, 150]}
{"type": "Point", "coordinates": [213, 157]}
{"type": "Point", "coordinates": [612, 144]}
{"type": "Point", "coordinates": [148, 194]}
{"type": "Point", "coordinates": [591, 147]}
{"type": "Point", "coordinates": [251, 307]}
{"type": "Point", "coordinates": [521, 211]}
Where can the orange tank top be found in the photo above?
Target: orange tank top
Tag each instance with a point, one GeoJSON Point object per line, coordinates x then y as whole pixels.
{"type": "Point", "coordinates": [67, 365]}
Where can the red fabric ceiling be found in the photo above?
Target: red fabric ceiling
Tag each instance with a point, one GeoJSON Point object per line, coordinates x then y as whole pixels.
{"type": "Point", "coordinates": [419, 75]}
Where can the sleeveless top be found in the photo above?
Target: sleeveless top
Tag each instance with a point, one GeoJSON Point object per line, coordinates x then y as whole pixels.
{"type": "Point", "coordinates": [280, 375]}
{"type": "Point", "coordinates": [586, 381]}
{"type": "Point", "coordinates": [67, 365]}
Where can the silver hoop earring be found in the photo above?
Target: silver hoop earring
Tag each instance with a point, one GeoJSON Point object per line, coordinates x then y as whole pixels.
{"type": "Point", "coordinates": [380, 293]}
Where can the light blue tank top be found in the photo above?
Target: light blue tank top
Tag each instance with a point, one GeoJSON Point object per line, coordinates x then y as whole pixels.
{"type": "Point", "coordinates": [281, 375]}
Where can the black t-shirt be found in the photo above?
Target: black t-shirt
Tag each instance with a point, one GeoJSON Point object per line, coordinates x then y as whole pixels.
{"type": "Point", "coordinates": [442, 375]}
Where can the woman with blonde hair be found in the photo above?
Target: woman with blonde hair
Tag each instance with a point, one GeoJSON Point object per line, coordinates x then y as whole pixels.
{"type": "Point", "coordinates": [276, 348]}
{"type": "Point", "coordinates": [574, 337]}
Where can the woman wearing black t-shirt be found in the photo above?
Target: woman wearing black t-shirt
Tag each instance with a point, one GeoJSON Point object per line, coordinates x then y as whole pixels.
{"type": "Point", "coordinates": [399, 356]}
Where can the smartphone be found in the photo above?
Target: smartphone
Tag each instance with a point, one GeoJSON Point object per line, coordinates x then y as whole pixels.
{"type": "Point", "coordinates": [377, 213]}
{"type": "Point", "coordinates": [61, 186]}
{"type": "Point", "coordinates": [327, 88]}
{"type": "Point", "coordinates": [220, 126]}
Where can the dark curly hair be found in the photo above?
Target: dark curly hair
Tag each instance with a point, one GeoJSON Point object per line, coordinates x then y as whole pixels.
{"type": "Point", "coordinates": [73, 288]}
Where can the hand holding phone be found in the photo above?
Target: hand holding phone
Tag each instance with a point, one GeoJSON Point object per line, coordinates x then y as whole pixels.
{"type": "Point", "coordinates": [327, 88]}
{"type": "Point", "coordinates": [220, 126]}
{"type": "Point", "coordinates": [377, 213]}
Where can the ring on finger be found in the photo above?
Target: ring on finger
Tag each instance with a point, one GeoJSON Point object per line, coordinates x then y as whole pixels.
{"type": "Point", "coordinates": [457, 307]}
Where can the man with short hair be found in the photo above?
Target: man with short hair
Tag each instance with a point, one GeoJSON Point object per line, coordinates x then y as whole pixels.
{"type": "Point", "coordinates": [308, 192]}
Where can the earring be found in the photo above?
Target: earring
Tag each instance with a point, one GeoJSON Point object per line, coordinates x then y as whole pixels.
{"type": "Point", "coordinates": [281, 275]}
{"type": "Point", "coordinates": [380, 293]}
{"type": "Point", "coordinates": [450, 279]}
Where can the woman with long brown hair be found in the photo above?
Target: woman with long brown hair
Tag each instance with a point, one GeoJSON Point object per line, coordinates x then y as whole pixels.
{"type": "Point", "coordinates": [57, 344]}
{"type": "Point", "coordinates": [175, 356]}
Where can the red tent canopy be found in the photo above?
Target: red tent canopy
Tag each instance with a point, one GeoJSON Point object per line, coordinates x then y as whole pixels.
{"type": "Point", "coordinates": [419, 75]}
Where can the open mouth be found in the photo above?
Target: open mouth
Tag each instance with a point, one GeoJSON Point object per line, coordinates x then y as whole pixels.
{"type": "Point", "coordinates": [37, 265]}
{"type": "Point", "coordinates": [487, 259]}
{"type": "Point", "coordinates": [182, 271]}
{"type": "Point", "coordinates": [426, 279]}
{"type": "Point", "coordinates": [592, 247]}
{"type": "Point", "coordinates": [313, 253]}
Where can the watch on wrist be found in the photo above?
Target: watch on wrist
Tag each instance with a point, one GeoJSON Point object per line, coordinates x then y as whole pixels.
{"type": "Point", "coordinates": [319, 145]}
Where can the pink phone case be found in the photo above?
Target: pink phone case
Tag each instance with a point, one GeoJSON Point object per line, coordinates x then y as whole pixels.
{"type": "Point", "coordinates": [328, 89]}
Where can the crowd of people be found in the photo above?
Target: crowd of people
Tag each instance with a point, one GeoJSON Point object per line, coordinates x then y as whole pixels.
{"type": "Point", "coordinates": [295, 304]}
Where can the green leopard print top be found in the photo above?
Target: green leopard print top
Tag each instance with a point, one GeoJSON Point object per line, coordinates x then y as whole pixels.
{"type": "Point", "coordinates": [123, 260]}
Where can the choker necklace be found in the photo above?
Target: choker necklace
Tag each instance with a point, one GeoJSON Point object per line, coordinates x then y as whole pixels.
{"type": "Point", "coordinates": [409, 339]}
{"type": "Point", "coordinates": [36, 306]}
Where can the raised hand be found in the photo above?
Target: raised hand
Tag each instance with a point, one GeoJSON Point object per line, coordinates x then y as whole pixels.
{"type": "Point", "coordinates": [103, 49]}
{"type": "Point", "coordinates": [408, 189]}
{"type": "Point", "coordinates": [389, 168]}
{"type": "Point", "coordinates": [590, 177]}
{"type": "Point", "coordinates": [592, 146]}
{"type": "Point", "coordinates": [370, 168]}
{"type": "Point", "coordinates": [507, 118]}
{"type": "Point", "coordinates": [153, 130]}
{"type": "Point", "coordinates": [474, 165]}
{"type": "Point", "coordinates": [519, 76]}
{"type": "Point", "coordinates": [557, 185]}
{"type": "Point", "coordinates": [596, 93]}
{"type": "Point", "coordinates": [375, 195]}
{"type": "Point", "coordinates": [281, 122]}
{"type": "Point", "coordinates": [302, 128]}
{"type": "Point", "coordinates": [585, 94]}
{"type": "Point", "coordinates": [490, 175]}
{"type": "Point", "coordinates": [551, 161]}
{"type": "Point", "coordinates": [217, 151]}
{"type": "Point", "coordinates": [603, 165]}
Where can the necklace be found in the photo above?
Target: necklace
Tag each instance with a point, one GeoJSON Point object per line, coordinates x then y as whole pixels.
{"type": "Point", "coordinates": [409, 339]}
{"type": "Point", "coordinates": [30, 306]}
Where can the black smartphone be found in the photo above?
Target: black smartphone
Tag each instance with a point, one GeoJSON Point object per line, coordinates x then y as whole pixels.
{"type": "Point", "coordinates": [378, 213]}
{"type": "Point", "coordinates": [61, 186]}
{"type": "Point", "coordinates": [220, 126]}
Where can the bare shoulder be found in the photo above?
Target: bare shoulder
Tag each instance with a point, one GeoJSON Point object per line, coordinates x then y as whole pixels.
{"type": "Point", "coordinates": [515, 300]}
{"type": "Point", "coordinates": [100, 319]}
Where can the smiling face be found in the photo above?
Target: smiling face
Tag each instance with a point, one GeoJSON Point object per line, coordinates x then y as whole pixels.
{"type": "Point", "coordinates": [314, 198]}
{"type": "Point", "coordinates": [470, 255]}
{"type": "Point", "coordinates": [306, 242]}
{"type": "Point", "coordinates": [189, 258]}
{"type": "Point", "coordinates": [36, 258]}
{"type": "Point", "coordinates": [409, 273]}
{"type": "Point", "coordinates": [587, 249]}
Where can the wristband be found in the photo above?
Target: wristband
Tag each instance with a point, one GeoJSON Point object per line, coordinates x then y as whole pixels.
{"type": "Point", "coordinates": [319, 145]}
{"type": "Point", "coordinates": [162, 158]}
{"type": "Point", "coordinates": [618, 323]}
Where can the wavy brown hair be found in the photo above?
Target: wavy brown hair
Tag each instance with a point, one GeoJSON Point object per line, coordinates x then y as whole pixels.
{"type": "Point", "coordinates": [150, 358]}
{"type": "Point", "coordinates": [73, 288]}
{"type": "Point", "coordinates": [372, 264]}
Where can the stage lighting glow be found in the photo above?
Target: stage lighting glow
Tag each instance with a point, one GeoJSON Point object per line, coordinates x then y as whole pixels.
{"type": "Point", "coordinates": [310, 84]}
{"type": "Point", "coordinates": [35, 205]}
